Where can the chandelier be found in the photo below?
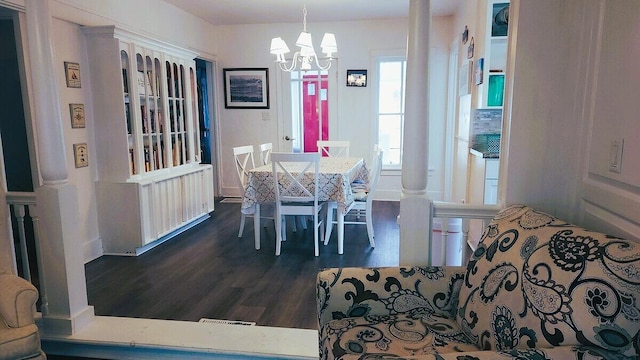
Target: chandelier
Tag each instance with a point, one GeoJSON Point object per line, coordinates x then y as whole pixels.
{"type": "Point", "coordinates": [306, 55]}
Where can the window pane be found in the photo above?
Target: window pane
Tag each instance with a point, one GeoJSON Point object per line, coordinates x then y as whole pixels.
{"type": "Point", "coordinates": [390, 138]}
{"type": "Point", "coordinates": [391, 94]}
{"type": "Point", "coordinates": [390, 87]}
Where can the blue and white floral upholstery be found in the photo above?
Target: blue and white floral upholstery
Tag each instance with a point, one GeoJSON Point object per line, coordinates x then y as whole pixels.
{"type": "Point", "coordinates": [535, 288]}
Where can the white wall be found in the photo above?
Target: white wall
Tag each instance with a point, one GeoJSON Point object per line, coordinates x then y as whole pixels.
{"type": "Point", "coordinates": [572, 93]}
{"type": "Point", "coordinates": [248, 46]}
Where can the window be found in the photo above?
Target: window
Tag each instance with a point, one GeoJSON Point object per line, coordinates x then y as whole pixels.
{"type": "Point", "coordinates": [391, 94]}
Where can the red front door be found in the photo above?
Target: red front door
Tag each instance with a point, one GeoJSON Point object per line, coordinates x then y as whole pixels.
{"type": "Point", "coordinates": [315, 107]}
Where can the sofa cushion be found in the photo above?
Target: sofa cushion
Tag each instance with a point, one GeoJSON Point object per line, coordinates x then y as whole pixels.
{"type": "Point", "coordinates": [537, 281]}
{"type": "Point", "coordinates": [403, 335]}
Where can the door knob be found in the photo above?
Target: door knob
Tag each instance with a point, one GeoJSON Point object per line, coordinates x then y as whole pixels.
{"type": "Point", "coordinates": [288, 138]}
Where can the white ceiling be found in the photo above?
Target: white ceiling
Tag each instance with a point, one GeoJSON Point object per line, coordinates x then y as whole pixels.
{"type": "Point", "coordinates": [230, 12]}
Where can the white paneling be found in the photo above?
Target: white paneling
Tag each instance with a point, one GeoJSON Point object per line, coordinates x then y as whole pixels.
{"type": "Point", "coordinates": [617, 109]}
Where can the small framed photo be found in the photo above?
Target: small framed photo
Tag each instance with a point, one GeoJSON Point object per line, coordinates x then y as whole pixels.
{"type": "Point", "coordinates": [72, 74]}
{"type": "Point", "coordinates": [81, 155]}
{"type": "Point", "coordinates": [357, 78]}
{"type": "Point", "coordinates": [479, 71]}
{"type": "Point", "coordinates": [470, 49]}
{"type": "Point", "coordinates": [246, 88]}
{"type": "Point", "coordinates": [77, 115]}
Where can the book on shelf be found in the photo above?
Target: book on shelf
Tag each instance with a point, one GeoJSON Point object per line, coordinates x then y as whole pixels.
{"type": "Point", "coordinates": [132, 162]}
{"type": "Point", "coordinates": [147, 164]}
{"type": "Point", "coordinates": [125, 81]}
{"type": "Point", "coordinates": [177, 152]}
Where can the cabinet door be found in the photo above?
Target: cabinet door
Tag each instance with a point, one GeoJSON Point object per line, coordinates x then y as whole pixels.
{"type": "Point", "coordinates": [491, 192]}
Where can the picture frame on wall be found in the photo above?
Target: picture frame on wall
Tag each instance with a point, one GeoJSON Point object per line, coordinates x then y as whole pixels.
{"type": "Point", "coordinates": [464, 78]}
{"type": "Point", "coordinates": [479, 71]}
{"type": "Point", "coordinates": [72, 74]}
{"type": "Point", "coordinates": [357, 78]}
{"type": "Point", "coordinates": [246, 88]}
{"type": "Point", "coordinates": [76, 112]}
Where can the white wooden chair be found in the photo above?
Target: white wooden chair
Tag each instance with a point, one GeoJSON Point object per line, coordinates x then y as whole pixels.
{"type": "Point", "coordinates": [265, 153]}
{"type": "Point", "coordinates": [362, 205]}
{"type": "Point", "coordinates": [244, 161]}
{"type": "Point", "coordinates": [292, 196]}
{"type": "Point", "coordinates": [337, 148]}
{"type": "Point", "coordinates": [265, 158]}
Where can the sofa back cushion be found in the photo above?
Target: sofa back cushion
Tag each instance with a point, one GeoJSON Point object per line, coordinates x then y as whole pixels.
{"type": "Point", "coordinates": [536, 281]}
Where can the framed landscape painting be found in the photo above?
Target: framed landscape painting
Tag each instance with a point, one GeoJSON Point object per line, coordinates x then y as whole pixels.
{"type": "Point", "coordinates": [246, 88]}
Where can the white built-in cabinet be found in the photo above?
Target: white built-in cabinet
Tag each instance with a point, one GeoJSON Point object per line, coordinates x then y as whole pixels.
{"type": "Point", "coordinates": [151, 185]}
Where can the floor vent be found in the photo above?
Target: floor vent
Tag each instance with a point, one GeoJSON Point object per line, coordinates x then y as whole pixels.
{"type": "Point", "coordinates": [225, 322]}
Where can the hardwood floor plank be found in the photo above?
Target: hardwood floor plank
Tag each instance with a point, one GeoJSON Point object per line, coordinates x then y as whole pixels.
{"type": "Point", "coordinates": [208, 272]}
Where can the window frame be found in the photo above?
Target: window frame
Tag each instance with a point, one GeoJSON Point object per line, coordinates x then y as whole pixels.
{"type": "Point", "coordinates": [377, 59]}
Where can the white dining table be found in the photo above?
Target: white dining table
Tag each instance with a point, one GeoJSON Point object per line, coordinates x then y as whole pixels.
{"type": "Point", "coordinates": [334, 183]}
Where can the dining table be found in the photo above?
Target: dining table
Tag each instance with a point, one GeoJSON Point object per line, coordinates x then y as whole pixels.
{"type": "Point", "coordinates": [334, 184]}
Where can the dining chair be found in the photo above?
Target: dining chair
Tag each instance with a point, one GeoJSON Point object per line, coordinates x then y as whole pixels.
{"type": "Point", "coordinates": [265, 158]}
{"type": "Point", "coordinates": [244, 161]}
{"type": "Point", "coordinates": [362, 204]}
{"type": "Point", "coordinates": [335, 148]}
{"type": "Point", "coordinates": [294, 196]}
{"type": "Point", "coordinates": [265, 153]}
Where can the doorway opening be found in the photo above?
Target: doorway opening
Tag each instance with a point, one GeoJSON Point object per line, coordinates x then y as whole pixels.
{"type": "Point", "coordinates": [309, 109]}
{"type": "Point", "coordinates": [205, 74]}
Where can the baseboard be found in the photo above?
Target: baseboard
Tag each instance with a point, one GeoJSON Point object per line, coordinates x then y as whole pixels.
{"type": "Point", "coordinates": [92, 250]}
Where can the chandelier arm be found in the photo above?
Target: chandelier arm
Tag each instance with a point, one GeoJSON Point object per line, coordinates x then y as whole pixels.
{"type": "Point", "coordinates": [294, 62]}
{"type": "Point", "coordinates": [326, 67]}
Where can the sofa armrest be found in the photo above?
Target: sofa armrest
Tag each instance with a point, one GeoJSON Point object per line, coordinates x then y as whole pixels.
{"type": "Point", "coordinates": [355, 292]}
{"type": "Point", "coordinates": [17, 298]}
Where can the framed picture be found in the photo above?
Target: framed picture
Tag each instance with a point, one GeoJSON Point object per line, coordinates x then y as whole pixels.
{"type": "Point", "coordinates": [465, 34]}
{"type": "Point", "coordinates": [500, 20]}
{"type": "Point", "coordinates": [72, 74]}
{"type": "Point", "coordinates": [77, 115]}
{"type": "Point", "coordinates": [464, 78]}
{"type": "Point", "coordinates": [470, 49]}
{"type": "Point", "coordinates": [357, 78]}
{"type": "Point", "coordinates": [479, 71]}
{"type": "Point", "coordinates": [246, 88]}
{"type": "Point", "coordinates": [81, 155]}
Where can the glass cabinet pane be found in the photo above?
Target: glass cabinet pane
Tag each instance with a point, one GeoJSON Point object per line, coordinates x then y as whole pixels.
{"type": "Point", "coordinates": [124, 60]}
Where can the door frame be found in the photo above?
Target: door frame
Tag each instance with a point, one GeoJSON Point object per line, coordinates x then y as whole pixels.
{"type": "Point", "coordinates": [284, 105]}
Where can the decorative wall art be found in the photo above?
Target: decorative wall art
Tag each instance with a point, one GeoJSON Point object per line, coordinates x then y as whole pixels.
{"type": "Point", "coordinates": [479, 71]}
{"type": "Point", "coordinates": [500, 21]}
{"type": "Point", "coordinates": [246, 88]}
{"type": "Point", "coordinates": [464, 78]}
{"type": "Point", "coordinates": [465, 35]}
{"type": "Point", "coordinates": [470, 49]}
{"type": "Point", "coordinates": [81, 155]}
{"type": "Point", "coordinates": [72, 74]}
{"type": "Point", "coordinates": [357, 78]}
{"type": "Point", "coordinates": [76, 112]}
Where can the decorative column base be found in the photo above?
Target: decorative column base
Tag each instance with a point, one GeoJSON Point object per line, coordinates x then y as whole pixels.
{"type": "Point", "coordinates": [63, 287]}
{"type": "Point", "coordinates": [415, 229]}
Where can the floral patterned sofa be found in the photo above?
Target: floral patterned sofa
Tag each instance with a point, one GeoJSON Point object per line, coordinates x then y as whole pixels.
{"type": "Point", "coordinates": [535, 288]}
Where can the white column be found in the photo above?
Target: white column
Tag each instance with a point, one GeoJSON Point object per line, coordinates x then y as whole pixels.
{"type": "Point", "coordinates": [415, 205]}
{"type": "Point", "coordinates": [62, 281]}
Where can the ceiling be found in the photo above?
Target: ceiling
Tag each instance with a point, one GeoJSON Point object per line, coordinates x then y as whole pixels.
{"type": "Point", "coordinates": [232, 12]}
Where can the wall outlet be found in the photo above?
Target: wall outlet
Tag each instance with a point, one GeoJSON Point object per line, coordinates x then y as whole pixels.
{"type": "Point", "coordinates": [615, 155]}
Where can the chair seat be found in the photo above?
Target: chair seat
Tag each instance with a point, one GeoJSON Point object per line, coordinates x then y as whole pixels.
{"type": "Point", "coordinates": [403, 335]}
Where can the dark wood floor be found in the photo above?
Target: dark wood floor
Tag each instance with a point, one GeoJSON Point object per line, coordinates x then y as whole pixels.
{"type": "Point", "coordinates": [208, 272]}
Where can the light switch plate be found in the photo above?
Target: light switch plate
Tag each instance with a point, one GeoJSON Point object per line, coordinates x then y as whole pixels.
{"type": "Point", "coordinates": [615, 155]}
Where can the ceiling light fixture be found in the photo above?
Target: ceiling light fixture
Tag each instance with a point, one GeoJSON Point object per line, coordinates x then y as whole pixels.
{"type": "Point", "coordinates": [306, 55]}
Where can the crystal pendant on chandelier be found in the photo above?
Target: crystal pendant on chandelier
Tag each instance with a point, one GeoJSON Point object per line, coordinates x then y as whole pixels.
{"type": "Point", "coordinates": [306, 56]}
